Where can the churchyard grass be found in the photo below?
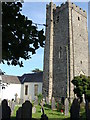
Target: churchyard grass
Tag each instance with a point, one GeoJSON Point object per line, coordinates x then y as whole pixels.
{"type": "Point", "coordinates": [48, 112]}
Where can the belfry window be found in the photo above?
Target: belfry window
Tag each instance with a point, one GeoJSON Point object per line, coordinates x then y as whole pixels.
{"type": "Point", "coordinates": [79, 18]}
{"type": "Point", "coordinates": [60, 52]}
{"type": "Point", "coordinates": [57, 19]}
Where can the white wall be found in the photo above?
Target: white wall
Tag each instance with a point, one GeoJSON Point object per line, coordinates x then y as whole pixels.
{"type": "Point", "coordinates": [30, 90]}
{"type": "Point", "coordinates": [10, 91]}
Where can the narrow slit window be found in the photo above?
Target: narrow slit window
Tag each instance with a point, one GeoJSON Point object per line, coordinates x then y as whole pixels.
{"type": "Point", "coordinates": [57, 19]}
{"type": "Point", "coordinates": [26, 89]}
{"type": "Point", "coordinates": [79, 18]}
{"type": "Point", "coordinates": [60, 52]}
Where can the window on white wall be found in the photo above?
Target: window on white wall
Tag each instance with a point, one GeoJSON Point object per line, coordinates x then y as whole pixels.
{"type": "Point", "coordinates": [35, 89]}
{"type": "Point", "coordinates": [26, 89]}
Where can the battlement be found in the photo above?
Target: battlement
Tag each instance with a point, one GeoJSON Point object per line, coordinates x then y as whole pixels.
{"type": "Point", "coordinates": [65, 5]}
{"type": "Point", "coordinates": [78, 9]}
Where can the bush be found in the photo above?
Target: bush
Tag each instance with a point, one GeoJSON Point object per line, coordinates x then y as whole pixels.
{"type": "Point", "coordinates": [60, 107]}
{"type": "Point", "coordinates": [40, 97]}
{"type": "Point", "coordinates": [88, 95]}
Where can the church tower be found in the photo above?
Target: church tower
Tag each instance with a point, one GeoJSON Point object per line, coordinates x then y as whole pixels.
{"type": "Point", "coordinates": [66, 49]}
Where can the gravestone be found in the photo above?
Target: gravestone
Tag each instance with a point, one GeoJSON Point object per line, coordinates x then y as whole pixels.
{"type": "Point", "coordinates": [6, 111]}
{"type": "Point", "coordinates": [43, 116]}
{"type": "Point", "coordinates": [21, 101]}
{"type": "Point", "coordinates": [12, 106]}
{"type": "Point", "coordinates": [43, 101]}
{"type": "Point", "coordinates": [27, 110]}
{"type": "Point", "coordinates": [47, 100]}
{"type": "Point", "coordinates": [36, 101]}
{"type": "Point", "coordinates": [74, 111]}
{"type": "Point", "coordinates": [53, 107]}
{"type": "Point", "coordinates": [87, 107]}
{"type": "Point", "coordinates": [83, 96]}
{"type": "Point", "coordinates": [0, 112]}
{"type": "Point", "coordinates": [66, 107]}
{"type": "Point", "coordinates": [19, 114]}
{"type": "Point", "coordinates": [34, 110]}
{"type": "Point", "coordinates": [16, 98]}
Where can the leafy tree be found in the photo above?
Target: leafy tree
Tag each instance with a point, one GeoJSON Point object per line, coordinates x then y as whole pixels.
{"type": "Point", "coordinates": [82, 85]}
{"type": "Point", "coordinates": [37, 70]}
{"type": "Point", "coordinates": [19, 36]}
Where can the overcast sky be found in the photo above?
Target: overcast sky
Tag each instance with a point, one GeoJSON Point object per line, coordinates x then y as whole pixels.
{"type": "Point", "coordinates": [37, 13]}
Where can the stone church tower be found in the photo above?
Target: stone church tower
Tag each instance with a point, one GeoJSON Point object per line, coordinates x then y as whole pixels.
{"type": "Point", "coordinates": [66, 49]}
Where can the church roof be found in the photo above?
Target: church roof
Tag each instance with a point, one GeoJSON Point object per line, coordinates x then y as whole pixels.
{"type": "Point", "coordinates": [32, 77]}
{"type": "Point", "coordinates": [10, 79]}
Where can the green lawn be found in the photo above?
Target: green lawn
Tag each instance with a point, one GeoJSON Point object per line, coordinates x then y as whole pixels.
{"type": "Point", "coordinates": [48, 112]}
{"type": "Point", "coordinates": [51, 114]}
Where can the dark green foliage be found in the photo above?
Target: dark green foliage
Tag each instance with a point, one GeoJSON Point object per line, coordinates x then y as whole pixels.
{"type": "Point", "coordinates": [88, 95]}
{"type": "Point", "coordinates": [37, 70]}
{"type": "Point", "coordinates": [19, 36]}
{"type": "Point", "coordinates": [60, 107]}
{"type": "Point", "coordinates": [40, 97]}
{"type": "Point", "coordinates": [82, 85]}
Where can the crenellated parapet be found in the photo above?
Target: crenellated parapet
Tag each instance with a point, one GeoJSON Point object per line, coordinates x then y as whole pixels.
{"type": "Point", "coordinates": [65, 5]}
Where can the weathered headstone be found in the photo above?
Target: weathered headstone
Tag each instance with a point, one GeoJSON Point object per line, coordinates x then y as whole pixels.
{"type": "Point", "coordinates": [16, 98]}
{"type": "Point", "coordinates": [34, 110]}
{"type": "Point", "coordinates": [21, 101]}
{"type": "Point", "coordinates": [19, 114]}
{"type": "Point", "coordinates": [36, 101]}
{"type": "Point", "coordinates": [43, 101]}
{"type": "Point", "coordinates": [47, 100]}
{"type": "Point", "coordinates": [26, 110]}
{"type": "Point", "coordinates": [87, 107]}
{"type": "Point", "coordinates": [83, 98]}
{"type": "Point", "coordinates": [66, 107]}
{"type": "Point", "coordinates": [53, 107]}
{"type": "Point", "coordinates": [12, 106]}
{"type": "Point", "coordinates": [74, 111]}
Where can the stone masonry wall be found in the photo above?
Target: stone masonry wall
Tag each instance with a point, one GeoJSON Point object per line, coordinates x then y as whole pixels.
{"type": "Point", "coordinates": [66, 49]}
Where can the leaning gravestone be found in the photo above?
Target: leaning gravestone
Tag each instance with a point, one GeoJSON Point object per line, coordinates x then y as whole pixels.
{"type": "Point", "coordinates": [87, 110]}
{"type": "Point", "coordinates": [34, 110]}
{"type": "Point", "coordinates": [27, 110]}
{"type": "Point", "coordinates": [53, 107]}
{"type": "Point", "coordinates": [74, 111]}
{"type": "Point", "coordinates": [47, 100]}
{"type": "Point", "coordinates": [36, 101]}
{"type": "Point", "coordinates": [66, 107]}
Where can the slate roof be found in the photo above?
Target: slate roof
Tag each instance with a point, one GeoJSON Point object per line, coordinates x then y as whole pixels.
{"type": "Point", "coordinates": [32, 77]}
{"type": "Point", "coordinates": [10, 79]}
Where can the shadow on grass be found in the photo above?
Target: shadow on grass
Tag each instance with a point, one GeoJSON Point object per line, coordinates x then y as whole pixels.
{"type": "Point", "coordinates": [14, 118]}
